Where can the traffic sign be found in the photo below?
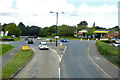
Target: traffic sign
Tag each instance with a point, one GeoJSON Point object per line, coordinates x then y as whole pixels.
{"type": "Point", "coordinates": [25, 47]}
{"type": "Point", "coordinates": [56, 36]}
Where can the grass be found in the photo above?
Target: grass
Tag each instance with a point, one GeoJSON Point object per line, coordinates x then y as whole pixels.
{"type": "Point", "coordinates": [110, 52]}
{"type": "Point", "coordinates": [5, 48]}
{"type": "Point", "coordinates": [66, 37]}
{"type": "Point", "coordinates": [16, 62]}
{"type": "Point", "coordinates": [9, 37]}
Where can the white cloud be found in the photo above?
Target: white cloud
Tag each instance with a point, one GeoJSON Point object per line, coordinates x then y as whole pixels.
{"type": "Point", "coordinates": [37, 12]}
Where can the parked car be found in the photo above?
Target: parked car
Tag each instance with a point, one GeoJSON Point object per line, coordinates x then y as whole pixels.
{"type": "Point", "coordinates": [113, 39]}
{"type": "Point", "coordinates": [64, 40]}
{"type": "Point", "coordinates": [26, 39]}
{"type": "Point", "coordinates": [118, 41]}
{"type": "Point", "coordinates": [30, 41]}
{"type": "Point", "coordinates": [116, 45]}
{"type": "Point", "coordinates": [43, 45]}
{"type": "Point", "coordinates": [39, 38]}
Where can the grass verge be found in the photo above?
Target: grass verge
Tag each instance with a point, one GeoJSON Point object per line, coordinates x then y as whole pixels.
{"type": "Point", "coordinates": [16, 62]}
{"type": "Point", "coordinates": [109, 52]}
{"type": "Point", "coordinates": [5, 48]}
{"type": "Point", "coordinates": [5, 38]}
{"type": "Point", "coordinates": [68, 38]}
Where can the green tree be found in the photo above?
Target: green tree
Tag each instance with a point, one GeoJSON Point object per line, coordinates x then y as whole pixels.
{"type": "Point", "coordinates": [13, 29]}
{"type": "Point", "coordinates": [65, 30]}
{"type": "Point", "coordinates": [90, 31]}
{"type": "Point", "coordinates": [44, 32]}
{"type": "Point", "coordinates": [52, 30]}
{"type": "Point", "coordinates": [4, 26]}
{"type": "Point", "coordinates": [99, 28]}
{"type": "Point", "coordinates": [22, 27]}
{"type": "Point", "coordinates": [82, 25]}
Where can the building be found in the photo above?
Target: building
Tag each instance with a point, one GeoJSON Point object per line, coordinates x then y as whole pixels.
{"type": "Point", "coordinates": [99, 34]}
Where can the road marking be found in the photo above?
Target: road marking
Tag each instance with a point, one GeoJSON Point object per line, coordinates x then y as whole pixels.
{"type": "Point", "coordinates": [65, 49]}
{"type": "Point", "coordinates": [59, 73]}
{"type": "Point", "coordinates": [96, 64]}
{"type": "Point", "coordinates": [60, 58]}
{"type": "Point", "coordinates": [32, 49]}
{"type": "Point", "coordinates": [97, 58]}
{"type": "Point", "coordinates": [59, 63]}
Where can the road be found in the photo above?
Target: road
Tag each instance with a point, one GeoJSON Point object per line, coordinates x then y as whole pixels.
{"type": "Point", "coordinates": [45, 64]}
{"type": "Point", "coordinates": [75, 62]}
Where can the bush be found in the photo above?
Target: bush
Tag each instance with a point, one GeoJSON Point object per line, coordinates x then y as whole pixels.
{"type": "Point", "coordinates": [105, 48]}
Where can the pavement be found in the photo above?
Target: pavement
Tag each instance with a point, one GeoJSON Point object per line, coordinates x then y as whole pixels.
{"type": "Point", "coordinates": [4, 59]}
{"type": "Point", "coordinates": [105, 66]}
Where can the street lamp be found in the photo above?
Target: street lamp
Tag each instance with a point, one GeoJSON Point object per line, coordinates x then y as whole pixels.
{"type": "Point", "coordinates": [56, 22]}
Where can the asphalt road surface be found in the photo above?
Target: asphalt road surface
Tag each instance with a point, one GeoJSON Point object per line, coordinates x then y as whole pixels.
{"type": "Point", "coordinates": [76, 63]}
{"type": "Point", "coordinates": [44, 64]}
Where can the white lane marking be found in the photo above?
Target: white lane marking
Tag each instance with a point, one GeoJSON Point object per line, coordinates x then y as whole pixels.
{"type": "Point", "coordinates": [59, 73]}
{"type": "Point", "coordinates": [65, 49]}
{"type": "Point", "coordinates": [32, 49]}
{"type": "Point", "coordinates": [97, 58]}
{"type": "Point", "coordinates": [59, 63]}
{"type": "Point", "coordinates": [96, 64]}
{"type": "Point", "coordinates": [60, 58]}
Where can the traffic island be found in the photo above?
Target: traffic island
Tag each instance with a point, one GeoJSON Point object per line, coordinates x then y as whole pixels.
{"type": "Point", "coordinates": [59, 49]}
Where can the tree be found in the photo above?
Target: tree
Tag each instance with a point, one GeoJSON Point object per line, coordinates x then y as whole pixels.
{"type": "Point", "coordinates": [99, 28]}
{"type": "Point", "coordinates": [52, 30]}
{"type": "Point", "coordinates": [22, 27]}
{"type": "Point", "coordinates": [45, 32]}
{"type": "Point", "coordinates": [4, 26]}
{"type": "Point", "coordinates": [13, 29]}
{"type": "Point", "coordinates": [90, 31]}
{"type": "Point", "coordinates": [82, 25]}
{"type": "Point", "coordinates": [0, 27]}
{"type": "Point", "coordinates": [65, 30]}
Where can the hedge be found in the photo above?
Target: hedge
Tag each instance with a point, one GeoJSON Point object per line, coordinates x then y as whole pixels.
{"type": "Point", "coordinates": [110, 52]}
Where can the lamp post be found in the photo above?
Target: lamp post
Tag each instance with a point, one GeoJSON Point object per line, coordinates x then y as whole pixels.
{"type": "Point", "coordinates": [56, 22]}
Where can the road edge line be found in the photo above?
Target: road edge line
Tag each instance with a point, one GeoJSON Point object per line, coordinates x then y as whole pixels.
{"type": "Point", "coordinates": [96, 64]}
{"type": "Point", "coordinates": [23, 65]}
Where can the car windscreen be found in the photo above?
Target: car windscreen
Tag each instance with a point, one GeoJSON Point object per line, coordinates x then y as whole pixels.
{"type": "Point", "coordinates": [44, 44]}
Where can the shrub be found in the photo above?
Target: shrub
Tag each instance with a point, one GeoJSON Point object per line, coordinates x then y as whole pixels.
{"type": "Point", "coordinates": [105, 48]}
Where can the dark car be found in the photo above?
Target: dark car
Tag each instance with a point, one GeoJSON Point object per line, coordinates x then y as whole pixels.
{"type": "Point", "coordinates": [30, 41]}
{"type": "Point", "coordinates": [26, 39]}
{"type": "Point", "coordinates": [64, 40]}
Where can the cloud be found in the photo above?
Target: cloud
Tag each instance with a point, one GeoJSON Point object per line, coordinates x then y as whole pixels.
{"type": "Point", "coordinates": [37, 12]}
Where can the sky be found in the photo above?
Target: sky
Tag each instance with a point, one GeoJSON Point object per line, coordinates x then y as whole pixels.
{"type": "Point", "coordinates": [37, 12]}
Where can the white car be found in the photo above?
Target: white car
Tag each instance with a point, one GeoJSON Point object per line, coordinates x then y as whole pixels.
{"type": "Point", "coordinates": [118, 41]}
{"type": "Point", "coordinates": [116, 45]}
{"type": "Point", "coordinates": [43, 45]}
{"type": "Point", "coordinates": [38, 38]}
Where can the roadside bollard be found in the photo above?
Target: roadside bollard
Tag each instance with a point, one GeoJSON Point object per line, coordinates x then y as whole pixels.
{"type": "Point", "coordinates": [88, 39]}
{"type": "Point", "coordinates": [81, 39]}
{"type": "Point", "coordinates": [60, 44]}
